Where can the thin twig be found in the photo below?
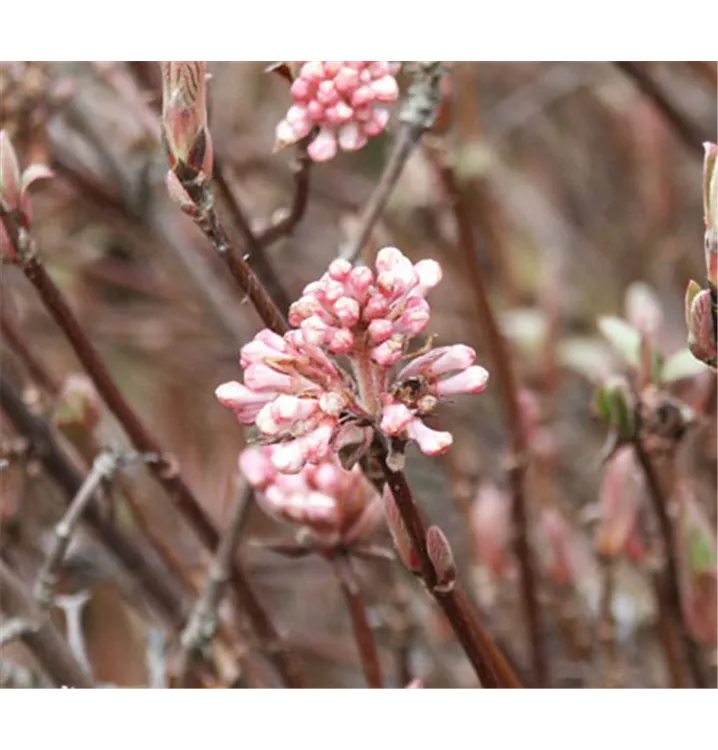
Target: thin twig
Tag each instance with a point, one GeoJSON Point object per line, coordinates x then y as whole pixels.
{"type": "Point", "coordinates": [103, 469]}
{"type": "Point", "coordinates": [685, 129]}
{"type": "Point", "coordinates": [202, 623]}
{"type": "Point", "coordinates": [209, 222]}
{"type": "Point", "coordinates": [153, 580]}
{"type": "Point", "coordinates": [43, 639]}
{"type": "Point", "coordinates": [607, 624]}
{"type": "Point", "coordinates": [164, 472]}
{"type": "Point", "coordinates": [668, 635]}
{"type": "Point", "coordinates": [255, 245]}
{"type": "Point", "coordinates": [363, 633]}
{"type": "Point", "coordinates": [505, 379]}
{"type": "Point", "coordinates": [287, 223]}
{"type": "Point", "coordinates": [35, 368]}
{"type": "Point", "coordinates": [672, 584]}
{"type": "Point", "coordinates": [489, 663]}
{"type": "Point", "coordinates": [417, 116]}
{"type": "Point", "coordinates": [14, 628]}
{"type": "Point", "coordinates": [73, 606]}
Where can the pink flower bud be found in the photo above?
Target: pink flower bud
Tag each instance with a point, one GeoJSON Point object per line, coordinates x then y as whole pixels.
{"type": "Point", "coordinates": [245, 403]}
{"type": "Point", "coordinates": [324, 146]}
{"type": "Point", "coordinates": [348, 311]}
{"type": "Point", "coordinates": [254, 463]}
{"type": "Point", "coordinates": [340, 269]}
{"type": "Point", "coordinates": [10, 187]}
{"type": "Point", "coordinates": [395, 419]}
{"type": "Point", "coordinates": [352, 137]}
{"type": "Point", "coordinates": [385, 89]}
{"type": "Point", "coordinates": [380, 330]}
{"type": "Point", "coordinates": [431, 442]}
{"type": "Point", "coordinates": [472, 380]}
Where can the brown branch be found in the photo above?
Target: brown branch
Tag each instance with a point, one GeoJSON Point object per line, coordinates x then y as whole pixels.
{"type": "Point", "coordinates": [286, 224]}
{"type": "Point", "coordinates": [492, 668]}
{"type": "Point", "coordinates": [35, 368]}
{"type": "Point", "coordinates": [671, 584]}
{"type": "Point", "coordinates": [685, 129]}
{"type": "Point", "coordinates": [417, 116]}
{"type": "Point", "coordinates": [255, 245]}
{"type": "Point", "coordinates": [668, 635]}
{"type": "Point", "coordinates": [505, 378]}
{"type": "Point", "coordinates": [152, 579]}
{"type": "Point", "coordinates": [42, 638]}
{"type": "Point", "coordinates": [207, 219]}
{"type": "Point", "coordinates": [363, 633]}
{"type": "Point", "coordinates": [103, 468]}
{"type": "Point", "coordinates": [202, 624]}
{"type": "Point", "coordinates": [144, 442]}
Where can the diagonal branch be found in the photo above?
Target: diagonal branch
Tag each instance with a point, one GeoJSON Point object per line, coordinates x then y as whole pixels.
{"type": "Point", "coordinates": [671, 583]}
{"type": "Point", "coordinates": [489, 663]}
{"type": "Point", "coordinates": [363, 633]}
{"type": "Point", "coordinates": [417, 117]}
{"type": "Point", "coordinates": [505, 379]}
{"type": "Point", "coordinates": [684, 128]}
{"type": "Point", "coordinates": [202, 623]}
{"type": "Point", "coordinates": [144, 442]}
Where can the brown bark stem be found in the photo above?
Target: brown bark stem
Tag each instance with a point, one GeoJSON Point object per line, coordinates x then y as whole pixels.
{"type": "Point", "coordinates": [671, 584]}
{"type": "Point", "coordinates": [490, 665]}
{"type": "Point", "coordinates": [363, 633]}
{"type": "Point", "coordinates": [42, 638]}
{"type": "Point", "coordinates": [144, 442]}
{"type": "Point", "coordinates": [505, 379]}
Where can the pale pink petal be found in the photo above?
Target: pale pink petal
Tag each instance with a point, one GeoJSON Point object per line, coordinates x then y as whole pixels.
{"type": "Point", "coordinates": [431, 442]}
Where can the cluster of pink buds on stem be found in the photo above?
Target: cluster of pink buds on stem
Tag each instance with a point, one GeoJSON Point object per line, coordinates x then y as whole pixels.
{"type": "Point", "coordinates": [15, 201]}
{"type": "Point", "coordinates": [343, 100]}
{"type": "Point", "coordinates": [701, 303]}
{"type": "Point", "coordinates": [335, 505]}
{"type": "Point", "coordinates": [343, 372]}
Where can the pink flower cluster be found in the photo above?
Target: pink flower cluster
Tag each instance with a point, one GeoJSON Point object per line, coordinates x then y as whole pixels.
{"type": "Point", "coordinates": [342, 99]}
{"type": "Point", "coordinates": [301, 399]}
{"type": "Point", "coordinates": [334, 504]}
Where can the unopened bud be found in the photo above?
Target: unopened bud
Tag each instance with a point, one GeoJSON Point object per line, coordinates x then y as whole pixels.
{"type": "Point", "coordinates": [615, 405]}
{"type": "Point", "coordinates": [78, 410]}
{"type": "Point", "coordinates": [180, 196]}
{"type": "Point", "coordinates": [710, 210]}
{"type": "Point", "coordinates": [10, 188]}
{"type": "Point", "coordinates": [700, 318]}
{"type": "Point", "coordinates": [184, 117]}
{"type": "Point", "coordinates": [442, 558]}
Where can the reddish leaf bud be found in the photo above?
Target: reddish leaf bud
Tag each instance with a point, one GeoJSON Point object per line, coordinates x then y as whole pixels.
{"type": "Point", "coordinates": [442, 558]}
{"type": "Point", "coordinates": [701, 326]}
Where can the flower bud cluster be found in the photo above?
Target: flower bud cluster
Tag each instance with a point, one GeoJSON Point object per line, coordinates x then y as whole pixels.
{"type": "Point", "coordinates": [334, 504]}
{"type": "Point", "coordinates": [301, 399]}
{"type": "Point", "coordinates": [344, 100]}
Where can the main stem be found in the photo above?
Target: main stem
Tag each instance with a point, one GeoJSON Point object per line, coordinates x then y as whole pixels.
{"type": "Point", "coordinates": [144, 442]}
{"type": "Point", "coordinates": [505, 379]}
{"type": "Point", "coordinates": [671, 585]}
{"type": "Point", "coordinates": [363, 633]}
{"type": "Point", "coordinates": [489, 663]}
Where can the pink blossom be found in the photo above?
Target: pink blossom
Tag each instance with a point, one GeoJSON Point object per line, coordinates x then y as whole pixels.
{"type": "Point", "coordinates": [335, 505]}
{"type": "Point", "coordinates": [310, 404]}
{"type": "Point", "coordinates": [343, 100]}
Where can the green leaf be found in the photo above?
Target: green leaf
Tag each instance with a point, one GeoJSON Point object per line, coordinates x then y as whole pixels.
{"type": "Point", "coordinates": [701, 553]}
{"type": "Point", "coordinates": [682, 365]}
{"type": "Point", "coordinates": [623, 337]}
